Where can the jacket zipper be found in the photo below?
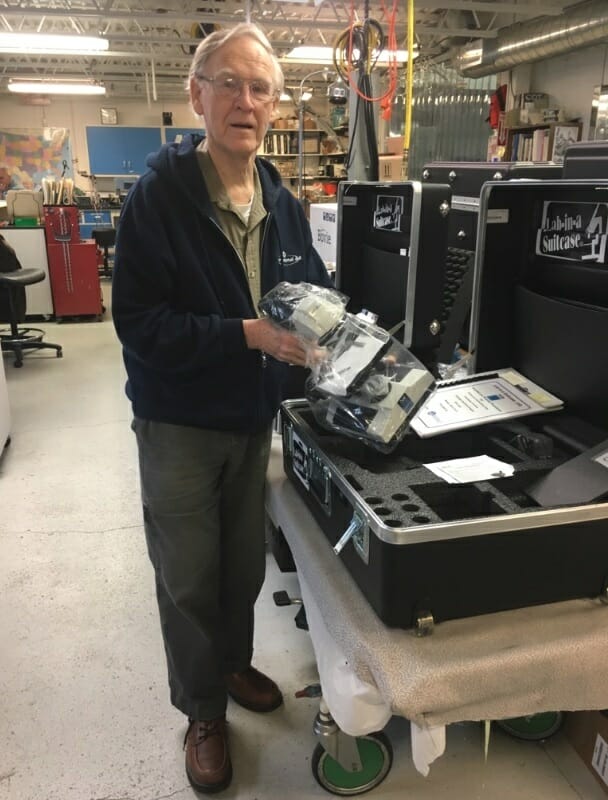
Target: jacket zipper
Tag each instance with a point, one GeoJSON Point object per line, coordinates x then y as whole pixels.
{"type": "Point", "coordinates": [264, 232]}
{"type": "Point", "coordinates": [263, 357]}
{"type": "Point", "coordinates": [267, 224]}
{"type": "Point", "coordinates": [243, 268]}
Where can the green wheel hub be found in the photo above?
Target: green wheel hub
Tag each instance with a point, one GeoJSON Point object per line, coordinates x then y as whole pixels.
{"type": "Point", "coordinates": [376, 757]}
{"type": "Point", "coordinates": [534, 727]}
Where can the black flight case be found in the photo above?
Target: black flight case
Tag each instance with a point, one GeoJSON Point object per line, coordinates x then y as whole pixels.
{"type": "Point", "coordinates": [423, 550]}
{"type": "Point", "coordinates": [390, 260]}
{"type": "Point", "coordinates": [586, 160]}
{"type": "Point", "coordinates": [391, 245]}
{"type": "Point", "coordinates": [466, 179]}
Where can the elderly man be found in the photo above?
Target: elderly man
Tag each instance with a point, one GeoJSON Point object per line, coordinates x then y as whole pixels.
{"type": "Point", "coordinates": [202, 235]}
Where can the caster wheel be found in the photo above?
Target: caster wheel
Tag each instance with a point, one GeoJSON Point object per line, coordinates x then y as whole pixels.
{"type": "Point", "coordinates": [376, 756]}
{"type": "Point", "coordinates": [533, 728]}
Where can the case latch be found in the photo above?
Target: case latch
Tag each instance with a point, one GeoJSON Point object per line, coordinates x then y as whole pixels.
{"type": "Point", "coordinates": [354, 531]}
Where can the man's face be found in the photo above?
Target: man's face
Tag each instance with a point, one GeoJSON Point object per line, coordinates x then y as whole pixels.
{"type": "Point", "coordinates": [235, 124]}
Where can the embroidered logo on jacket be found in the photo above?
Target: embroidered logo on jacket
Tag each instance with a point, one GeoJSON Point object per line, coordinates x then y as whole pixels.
{"type": "Point", "coordinates": [290, 260]}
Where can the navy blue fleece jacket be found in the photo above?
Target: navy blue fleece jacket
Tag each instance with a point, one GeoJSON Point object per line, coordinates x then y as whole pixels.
{"type": "Point", "coordinates": [179, 295]}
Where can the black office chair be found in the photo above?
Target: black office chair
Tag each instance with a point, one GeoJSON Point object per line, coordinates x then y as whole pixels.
{"type": "Point", "coordinates": [105, 239]}
{"type": "Point", "coordinates": [12, 309]}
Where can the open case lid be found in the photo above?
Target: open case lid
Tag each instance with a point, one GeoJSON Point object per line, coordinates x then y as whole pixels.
{"type": "Point", "coordinates": [390, 260]}
{"type": "Point", "coordinates": [540, 294]}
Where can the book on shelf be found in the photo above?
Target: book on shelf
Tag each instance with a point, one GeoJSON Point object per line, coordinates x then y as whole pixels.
{"type": "Point", "coordinates": [540, 144]}
{"type": "Point", "coordinates": [280, 143]}
{"type": "Point", "coordinates": [531, 145]}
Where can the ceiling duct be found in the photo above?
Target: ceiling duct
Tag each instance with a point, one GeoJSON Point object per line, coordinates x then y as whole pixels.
{"type": "Point", "coordinates": [579, 26]}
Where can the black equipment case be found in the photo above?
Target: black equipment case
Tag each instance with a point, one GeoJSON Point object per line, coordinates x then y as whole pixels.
{"type": "Point", "coordinates": [586, 160]}
{"type": "Point", "coordinates": [392, 240]}
{"type": "Point", "coordinates": [423, 550]}
{"type": "Point", "coordinates": [466, 179]}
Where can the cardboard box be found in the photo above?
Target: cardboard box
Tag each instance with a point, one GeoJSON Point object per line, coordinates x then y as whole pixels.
{"type": "Point", "coordinates": [587, 732]}
{"type": "Point", "coordinates": [324, 228]}
{"type": "Point", "coordinates": [513, 118]}
{"type": "Point", "coordinates": [311, 142]}
{"type": "Point", "coordinates": [553, 115]}
{"type": "Point", "coordinates": [394, 145]}
{"type": "Point", "coordinates": [532, 100]}
{"type": "Point", "coordinates": [389, 168]}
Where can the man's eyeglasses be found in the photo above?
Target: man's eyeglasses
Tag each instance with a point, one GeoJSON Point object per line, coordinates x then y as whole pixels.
{"type": "Point", "coordinates": [230, 86]}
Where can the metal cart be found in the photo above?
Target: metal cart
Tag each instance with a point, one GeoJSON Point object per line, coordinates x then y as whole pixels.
{"type": "Point", "coordinates": [517, 667]}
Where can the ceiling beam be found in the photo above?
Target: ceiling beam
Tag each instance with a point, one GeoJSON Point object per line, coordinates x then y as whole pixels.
{"type": "Point", "coordinates": [460, 33]}
{"type": "Point", "coordinates": [281, 20]}
{"type": "Point", "coordinates": [537, 9]}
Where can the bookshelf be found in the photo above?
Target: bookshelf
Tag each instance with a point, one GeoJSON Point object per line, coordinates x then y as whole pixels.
{"type": "Point", "coordinates": [545, 142]}
{"type": "Point", "coordinates": [280, 146]}
{"type": "Point", "coordinates": [280, 142]}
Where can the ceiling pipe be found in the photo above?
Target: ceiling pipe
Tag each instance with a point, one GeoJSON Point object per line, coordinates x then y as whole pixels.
{"type": "Point", "coordinates": [153, 71]}
{"type": "Point", "coordinates": [581, 25]}
{"type": "Point", "coordinates": [148, 91]}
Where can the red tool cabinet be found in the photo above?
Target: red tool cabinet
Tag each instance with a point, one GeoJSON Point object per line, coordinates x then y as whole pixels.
{"type": "Point", "coordinates": [73, 269]}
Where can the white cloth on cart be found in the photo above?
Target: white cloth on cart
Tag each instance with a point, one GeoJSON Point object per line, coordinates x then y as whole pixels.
{"type": "Point", "coordinates": [513, 663]}
{"type": "Point", "coordinates": [357, 705]}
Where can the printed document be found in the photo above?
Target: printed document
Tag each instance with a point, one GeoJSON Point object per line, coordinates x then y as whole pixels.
{"type": "Point", "coordinates": [481, 399]}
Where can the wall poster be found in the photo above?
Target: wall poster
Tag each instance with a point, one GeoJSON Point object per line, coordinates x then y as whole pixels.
{"type": "Point", "coordinates": [30, 154]}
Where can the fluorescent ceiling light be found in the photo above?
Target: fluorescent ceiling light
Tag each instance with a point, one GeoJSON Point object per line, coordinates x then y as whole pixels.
{"type": "Point", "coordinates": [324, 55]}
{"type": "Point", "coordinates": [288, 97]}
{"type": "Point", "coordinates": [320, 55]}
{"type": "Point", "coordinates": [48, 44]}
{"type": "Point", "coordinates": [55, 87]}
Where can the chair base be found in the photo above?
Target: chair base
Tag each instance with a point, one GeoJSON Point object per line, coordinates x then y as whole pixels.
{"type": "Point", "coordinates": [105, 270]}
{"type": "Point", "coordinates": [26, 339]}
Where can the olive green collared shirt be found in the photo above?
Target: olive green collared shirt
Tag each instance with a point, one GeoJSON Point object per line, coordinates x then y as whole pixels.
{"type": "Point", "coordinates": [245, 235]}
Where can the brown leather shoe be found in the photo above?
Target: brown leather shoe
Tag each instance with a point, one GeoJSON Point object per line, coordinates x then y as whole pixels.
{"type": "Point", "coordinates": [208, 764]}
{"type": "Point", "coordinates": [253, 690]}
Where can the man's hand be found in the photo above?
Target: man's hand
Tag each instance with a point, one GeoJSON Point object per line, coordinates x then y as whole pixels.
{"type": "Point", "coordinates": [261, 334]}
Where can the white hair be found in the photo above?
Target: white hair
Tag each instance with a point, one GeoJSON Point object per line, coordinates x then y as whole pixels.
{"type": "Point", "coordinates": [217, 39]}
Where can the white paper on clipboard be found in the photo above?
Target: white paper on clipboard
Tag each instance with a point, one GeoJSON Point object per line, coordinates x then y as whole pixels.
{"type": "Point", "coordinates": [481, 399]}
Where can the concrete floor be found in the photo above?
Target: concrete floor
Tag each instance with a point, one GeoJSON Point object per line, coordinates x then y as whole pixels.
{"type": "Point", "coordinates": [84, 709]}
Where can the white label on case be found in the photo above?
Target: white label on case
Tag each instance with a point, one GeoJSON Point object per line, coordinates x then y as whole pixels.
{"type": "Point", "coordinates": [497, 216]}
{"type": "Point", "coordinates": [599, 762]}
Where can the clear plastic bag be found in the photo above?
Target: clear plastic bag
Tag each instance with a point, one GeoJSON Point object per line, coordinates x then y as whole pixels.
{"type": "Point", "coordinates": [363, 382]}
{"type": "Point", "coordinates": [368, 386]}
{"type": "Point", "coordinates": [309, 311]}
